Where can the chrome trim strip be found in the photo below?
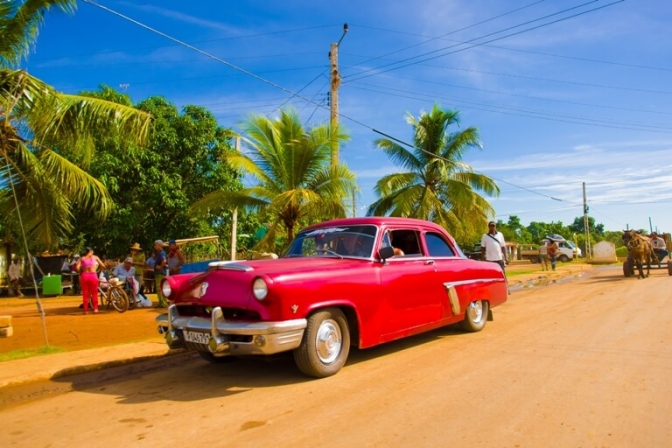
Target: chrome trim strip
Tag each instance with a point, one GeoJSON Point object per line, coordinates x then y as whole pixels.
{"type": "Point", "coordinates": [453, 299]}
{"type": "Point", "coordinates": [469, 282]}
{"type": "Point", "coordinates": [230, 266]}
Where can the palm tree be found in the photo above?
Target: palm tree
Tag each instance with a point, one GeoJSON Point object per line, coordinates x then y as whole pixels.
{"type": "Point", "coordinates": [294, 181]}
{"type": "Point", "coordinates": [437, 186]}
{"type": "Point", "coordinates": [46, 137]}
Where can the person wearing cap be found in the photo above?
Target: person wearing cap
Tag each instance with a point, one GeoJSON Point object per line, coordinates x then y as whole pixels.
{"type": "Point", "coordinates": [659, 247]}
{"type": "Point", "coordinates": [175, 258]}
{"type": "Point", "coordinates": [493, 246]}
{"type": "Point", "coordinates": [126, 272]}
{"type": "Point", "coordinates": [14, 274]}
{"type": "Point", "coordinates": [160, 272]}
{"type": "Point", "coordinates": [138, 262]}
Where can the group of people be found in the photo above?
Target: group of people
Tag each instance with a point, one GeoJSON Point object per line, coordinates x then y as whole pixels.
{"type": "Point", "coordinates": [493, 248]}
{"type": "Point", "coordinates": [133, 271]}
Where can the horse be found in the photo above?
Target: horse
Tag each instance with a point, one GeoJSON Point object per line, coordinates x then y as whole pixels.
{"type": "Point", "coordinates": [640, 251]}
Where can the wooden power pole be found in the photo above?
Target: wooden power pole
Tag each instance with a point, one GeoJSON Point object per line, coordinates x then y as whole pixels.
{"type": "Point", "coordinates": [335, 83]}
{"type": "Point", "coordinates": [586, 225]}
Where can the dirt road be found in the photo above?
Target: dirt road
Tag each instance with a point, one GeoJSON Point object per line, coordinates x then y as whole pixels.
{"type": "Point", "coordinates": [585, 363]}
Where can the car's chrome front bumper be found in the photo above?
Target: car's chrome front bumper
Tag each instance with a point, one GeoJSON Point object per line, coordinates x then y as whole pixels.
{"type": "Point", "coordinates": [265, 338]}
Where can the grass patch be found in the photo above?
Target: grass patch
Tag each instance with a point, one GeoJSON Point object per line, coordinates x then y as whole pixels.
{"type": "Point", "coordinates": [20, 354]}
{"type": "Point", "coordinates": [514, 273]}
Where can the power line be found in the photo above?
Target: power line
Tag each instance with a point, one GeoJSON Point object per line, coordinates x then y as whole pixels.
{"type": "Point", "coordinates": [534, 114]}
{"type": "Point", "coordinates": [452, 32]}
{"type": "Point", "coordinates": [576, 103]}
{"type": "Point", "coordinates": [98, 53]}
{"type": "Point", "coordinates": [598, 61]}
{"type": "Point", "coordinates": [487, 42]}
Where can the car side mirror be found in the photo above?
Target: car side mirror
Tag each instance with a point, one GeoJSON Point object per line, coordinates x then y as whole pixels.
{"type": "Point", "coordinates": [386, 252]}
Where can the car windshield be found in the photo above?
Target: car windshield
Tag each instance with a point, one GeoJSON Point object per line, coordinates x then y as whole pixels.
{"type": "Point", "coordinates": [338, 241]}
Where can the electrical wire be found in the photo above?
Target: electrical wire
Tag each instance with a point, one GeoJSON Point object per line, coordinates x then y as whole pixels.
{"type": "Point", "coordinates": [499, 47]}
{"type": "Point", "coordinates": [486, 42]}
{"type": "Point", "coordinates": [530, 114]}
{"type": "Point", "coordinates": [453, 32]}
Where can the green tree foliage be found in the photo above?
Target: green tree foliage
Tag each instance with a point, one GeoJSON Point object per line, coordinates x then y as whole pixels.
{"type": "Point", "coordinates": [153, 187]}
{"type": "Point", "coordinates": [578, 226]}
{"type": "Point", "coordinates": [436, 184]}
{"type": "Point", "coordinates": [46, 138]}
{"type": "Point", "coordinates": [293, 180]}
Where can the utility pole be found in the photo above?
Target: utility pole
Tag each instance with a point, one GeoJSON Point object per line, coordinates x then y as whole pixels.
{"type": "Point", "coordinates": [335, 83]}
{"type": "Point", "coordinates": [586, 225]}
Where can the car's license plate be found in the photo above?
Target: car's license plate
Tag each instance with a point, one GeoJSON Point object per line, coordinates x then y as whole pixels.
{"type": "Point", "coordinates": [197, 337]}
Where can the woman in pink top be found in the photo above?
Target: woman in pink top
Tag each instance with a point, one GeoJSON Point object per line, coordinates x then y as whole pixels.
{"type": "Point", "coordinates": [87, 266]}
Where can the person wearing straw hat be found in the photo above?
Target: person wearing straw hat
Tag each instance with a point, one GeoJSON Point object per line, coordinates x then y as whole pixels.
{"type": "Point", "coordinates": [138, 262]}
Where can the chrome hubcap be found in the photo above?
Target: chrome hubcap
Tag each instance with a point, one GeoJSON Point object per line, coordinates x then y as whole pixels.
{"type": "Point", "coordinates": [328, 341]}
{"type": "Point", "coordinates": [475, 311]}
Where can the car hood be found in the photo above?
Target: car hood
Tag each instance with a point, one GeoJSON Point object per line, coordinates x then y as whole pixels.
{"type": "Point", "coordinates": [229, 283]}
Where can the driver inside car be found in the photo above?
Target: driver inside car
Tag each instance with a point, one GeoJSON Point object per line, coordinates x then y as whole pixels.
{"type": "Point", "coordinates": [351, 244]}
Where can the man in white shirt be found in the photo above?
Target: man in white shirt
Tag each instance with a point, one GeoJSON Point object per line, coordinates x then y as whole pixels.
{"type": "Point", "coordinates": [126, 271]}
{"type": "Point", "coordinates": [493, 246]}
{"type": "Point", "coordinates": [659, 246]}
{"type": "Point", "coordinates": [14, 273]}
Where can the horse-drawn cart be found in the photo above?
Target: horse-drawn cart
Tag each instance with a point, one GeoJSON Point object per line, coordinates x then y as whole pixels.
{"type": "Point", "coordinates": [629, 264]}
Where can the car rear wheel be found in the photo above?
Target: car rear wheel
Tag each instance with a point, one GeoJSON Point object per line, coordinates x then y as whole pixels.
{"type": "Point", "coordinates": [476, 316]}
{"type": "Point", "coordinates": [563, 258]}
{"type": "Point", "coordinates": [325, 345]}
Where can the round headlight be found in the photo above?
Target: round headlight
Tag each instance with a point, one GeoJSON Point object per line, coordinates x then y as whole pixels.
{"type": "Point", "coordinates": [165, 288]}
{"type": "Point", "coordinates": [259, 288]}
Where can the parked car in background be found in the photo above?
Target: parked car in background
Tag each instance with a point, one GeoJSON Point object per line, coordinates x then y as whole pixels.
{"type": "Point", "coordinates": [349, 282]}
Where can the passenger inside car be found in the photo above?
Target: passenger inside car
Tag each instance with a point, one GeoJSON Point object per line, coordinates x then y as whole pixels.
{"type": "Point", "coordinates": [388, 241]}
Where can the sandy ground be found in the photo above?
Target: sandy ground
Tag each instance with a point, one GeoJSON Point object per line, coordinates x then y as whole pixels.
{"type": "Point", "coordinates": [69, 329]}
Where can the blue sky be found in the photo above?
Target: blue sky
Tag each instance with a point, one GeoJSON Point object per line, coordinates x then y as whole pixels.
{"type": "Point", "coordinates": [583, 100]}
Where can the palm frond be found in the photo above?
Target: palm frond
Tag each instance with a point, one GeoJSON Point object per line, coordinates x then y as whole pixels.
{"type": "Point", "coordinates": [19, 26]}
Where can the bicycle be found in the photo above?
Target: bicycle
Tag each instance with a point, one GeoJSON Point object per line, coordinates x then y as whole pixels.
{"type": "Point", "coordinates": [111, 292]}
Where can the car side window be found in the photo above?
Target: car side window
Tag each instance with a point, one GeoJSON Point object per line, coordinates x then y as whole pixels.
{"type": "Point", "coordinates": [437, 246]}
{"type": "Point", "coordinates": [407, 242]}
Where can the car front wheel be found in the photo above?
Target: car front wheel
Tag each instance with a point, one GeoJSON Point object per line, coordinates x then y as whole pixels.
{"type": "Point", "coordinates": [476, 316]}
{"type": "Point", "coordinates": [325, 345]}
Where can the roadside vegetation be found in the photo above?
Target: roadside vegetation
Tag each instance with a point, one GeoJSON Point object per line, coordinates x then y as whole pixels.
{"type": "Point", "coordinates": [21, 354]}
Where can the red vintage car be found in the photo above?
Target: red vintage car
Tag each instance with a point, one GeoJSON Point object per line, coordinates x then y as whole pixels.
{"type": "Point", "coordinates": [356, 281]}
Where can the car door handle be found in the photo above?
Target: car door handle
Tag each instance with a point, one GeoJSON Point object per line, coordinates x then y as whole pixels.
{"type": "Point", "coordinates": [429, 261]}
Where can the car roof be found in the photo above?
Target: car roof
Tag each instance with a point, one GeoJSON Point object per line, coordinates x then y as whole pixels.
{"type": "Point", "coordinates": [378, 221]}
